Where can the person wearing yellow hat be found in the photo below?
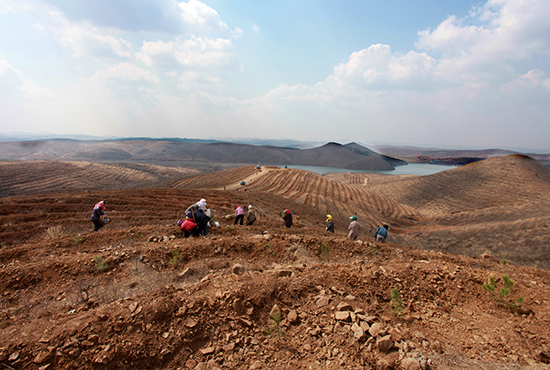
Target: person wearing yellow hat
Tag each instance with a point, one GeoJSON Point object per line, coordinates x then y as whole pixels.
{"type": "Point", "coordinates": [330, 224]}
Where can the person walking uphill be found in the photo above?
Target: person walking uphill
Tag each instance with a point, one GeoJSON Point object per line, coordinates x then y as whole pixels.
{"type": "Point", "coordinates": [99, 217]}
{"type": "Point", "coordinates": [239, 212]}
{"type": "Point", "coordinates": [287, 217]}
{"type": "Point", "coordinates": [354, 228]}
{"type": "Point", "coordinates": [330, 224]}
{"type": "Point", "coordinates": [381, 233]}
{"type": "Point", "coordinates": [251, 216]}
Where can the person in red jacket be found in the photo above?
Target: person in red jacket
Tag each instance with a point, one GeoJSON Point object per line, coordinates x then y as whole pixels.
{"type": "Point", "coordinates": [188, 227]}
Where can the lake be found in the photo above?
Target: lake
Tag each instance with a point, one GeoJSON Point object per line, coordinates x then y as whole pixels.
{"type": "Point", "coordinates": [420, 169]}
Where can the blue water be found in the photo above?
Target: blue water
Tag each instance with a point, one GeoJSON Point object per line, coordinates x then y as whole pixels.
{"type": "Point", "coordinates": [420, 169]}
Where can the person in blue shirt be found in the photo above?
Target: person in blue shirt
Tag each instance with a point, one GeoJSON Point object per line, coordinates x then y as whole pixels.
{"type": "Point", "coordinates": [381, 233]}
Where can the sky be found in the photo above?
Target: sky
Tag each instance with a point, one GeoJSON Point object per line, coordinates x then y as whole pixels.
{"type": "Point", "coordinates": [458, 73]}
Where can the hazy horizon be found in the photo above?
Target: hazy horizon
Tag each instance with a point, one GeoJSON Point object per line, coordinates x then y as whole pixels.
{"type": "Point", "coordinates": [462, 73]}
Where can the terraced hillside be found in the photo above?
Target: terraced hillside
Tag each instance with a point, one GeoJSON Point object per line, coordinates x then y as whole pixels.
{"type": "Point", "coordinates": [311, 190]}
{"type": "Point", "coordinates": [499, 206]}
{"type": "Point", "coordinates": [29, 177]}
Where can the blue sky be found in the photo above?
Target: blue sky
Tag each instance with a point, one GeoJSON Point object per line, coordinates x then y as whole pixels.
{"type": "Point", "coordinates": [428, 73]}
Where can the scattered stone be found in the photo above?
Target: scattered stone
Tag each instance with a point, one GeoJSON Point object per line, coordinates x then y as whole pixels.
{"type": "Point", "coordinates": [384, 343]}
{"type": "Point", "coordinates": [358, 332]}
{"type": "Point", "coordinates": [285, 273]}
{"type": "Point", "coordinates": [132, 307]}
{"type": "Point", "coordinates": [292, 317]}
{"type": "Point", "coordinates": [229, 347]}
{"type": "Point", "coordinates": [42, 357]}
{"type": "Point", "coordinates": [181, 311]}
{"type": "Point", "coordinates": [186, 273]}
{"type": "Point", "coordinates": [409, 363]}
{"type": "Point", "coordinates": [238, 305]}
{"type": "Point", "coordinates": [375, 329]}
{"type": "Point", "coordinates": [238, 269]}
{"type": "Point", "coordinates": [14, 356]}
{"type": "Point", "coordinates": [342, 316]}
{"type": "Point", "coordinates": [323, 301]}
{"type": "Point", "coordinates": [164, 352]}
{"type": "Point", "coordinates": [207, 350]}
{"type": "Point", "coordinates": [344, 306]}
{"type": "Point", "coordinates": [396, 335]}
{"type": "Point", "coordinates": [190, 323]}
{"type": "Point", "coordinates": [190, 364]}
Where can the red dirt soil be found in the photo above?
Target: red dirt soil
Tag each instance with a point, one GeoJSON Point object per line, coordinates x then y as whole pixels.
{"type": "Point", "coordinates": [134, 295]}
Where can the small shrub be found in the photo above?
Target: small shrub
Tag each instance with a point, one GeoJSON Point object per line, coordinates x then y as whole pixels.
{"type": "Point", "coordinates": [275, 328]}
{"type": "Point", "coordinates": [373, 250]}
{"type": "Point", "coordinates": [396, 303]}
{"type": "Point", "coordinates": [56, 232]}
{"type": "Point", "coordinates": [100, 264]}
{"type": "Point", "coordinates": [502, 295]}
{"type": "Point", "coordinates": [176, 258]}
{"type": "Point", "coordinates": [77, 239]}
{"type": "Point", "coordinates": [324, 251]}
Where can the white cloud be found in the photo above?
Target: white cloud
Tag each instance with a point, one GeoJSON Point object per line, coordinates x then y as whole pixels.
{"type": "Point", "coordinates": [201, 18]}
{"type": "Point", "coordinates": [13, 81]}
{"type": "Point", "coordinates": [121, 71]}
{"type": "Point", "coordinates": [196, 52]}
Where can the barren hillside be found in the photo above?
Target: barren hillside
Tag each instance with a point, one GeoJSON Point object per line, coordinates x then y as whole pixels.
{"type": "Point", "coordinates": [29, 177]}
{"type": "Point", "coordinates": [135, 295]}
{"type": "Point", "coordinates": [498, 206]}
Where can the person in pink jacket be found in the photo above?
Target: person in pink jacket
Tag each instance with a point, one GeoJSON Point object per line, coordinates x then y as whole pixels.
{"type": "Point", "coordinates": [239, 212]}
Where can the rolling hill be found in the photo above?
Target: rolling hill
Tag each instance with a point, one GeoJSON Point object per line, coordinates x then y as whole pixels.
{"type": "Point", "coordinates": [353, 156]}
{"type": "Point", "coordinates": [135, 295]}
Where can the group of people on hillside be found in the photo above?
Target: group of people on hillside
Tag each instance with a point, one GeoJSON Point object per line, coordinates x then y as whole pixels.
{"type": "Point", "coordinates": [197, 219]}
{"type": "Point", "coordinates": [239, 215]}
{"type": "Point", "coordinates": [354, 229]}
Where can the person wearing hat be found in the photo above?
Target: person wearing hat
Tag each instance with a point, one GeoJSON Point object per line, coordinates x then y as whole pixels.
{"type": "Point", "coordinates": [330, 224]}
{"type": "Point", "coordinates": [201, 204]}
{"type": "Point", "coordinates": [287, 217]}
{"type": "Point", "coordinates": [251, 216]}
{"type": "Point", "coordinates": [381, 233]}
{"type": "Point", "coordinates": [99, 216]}
{"type": "Point", "coordinates": [239, 212]}
{"type": "Point", "coordinates": [354, 228]}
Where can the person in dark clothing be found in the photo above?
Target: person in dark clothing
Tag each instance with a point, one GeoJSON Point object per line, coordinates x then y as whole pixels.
{"type": "Point", "coordinates": [330, 224]}
{"type": "Point", "coordinates": [200, 219]}
{"type": "Point", "coordinates": [188, 227]}
{"type": "Point", "coordinates": [287, 217]}
{"type": "Point", "coordinates": [98, 215]}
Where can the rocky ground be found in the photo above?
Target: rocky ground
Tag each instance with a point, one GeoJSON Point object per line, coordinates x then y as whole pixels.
{"type": "Point", "coordinates": [135, 295]}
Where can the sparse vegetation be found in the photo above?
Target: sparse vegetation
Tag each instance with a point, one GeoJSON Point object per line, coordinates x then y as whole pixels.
{"type": "Point", "coordinates": [77, 239]}
{"type": "Point", "coordinates": [176, 257]}
{"type": "Point", "coordinates": [275, 328]}
{"type": "Point", "coordinates": [100, 264]}
{"type": "Point", "coordinates": [396, 303]}
{"type": "Point", "coordinates": [502, 295]}
{"type": "Point", "coordinates": [324, 251]}
{"type": "Point", "coordinates": [54, 232]}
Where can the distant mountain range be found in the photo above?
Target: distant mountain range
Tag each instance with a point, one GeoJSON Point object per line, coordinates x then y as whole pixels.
{"type": "Point", "coordinates": [168, 152]}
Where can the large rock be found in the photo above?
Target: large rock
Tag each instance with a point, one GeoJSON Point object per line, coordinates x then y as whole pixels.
{"type": "Point", "coordinates": [409, 363]}
{"type": "Point", "coordinates": [384, 343]}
